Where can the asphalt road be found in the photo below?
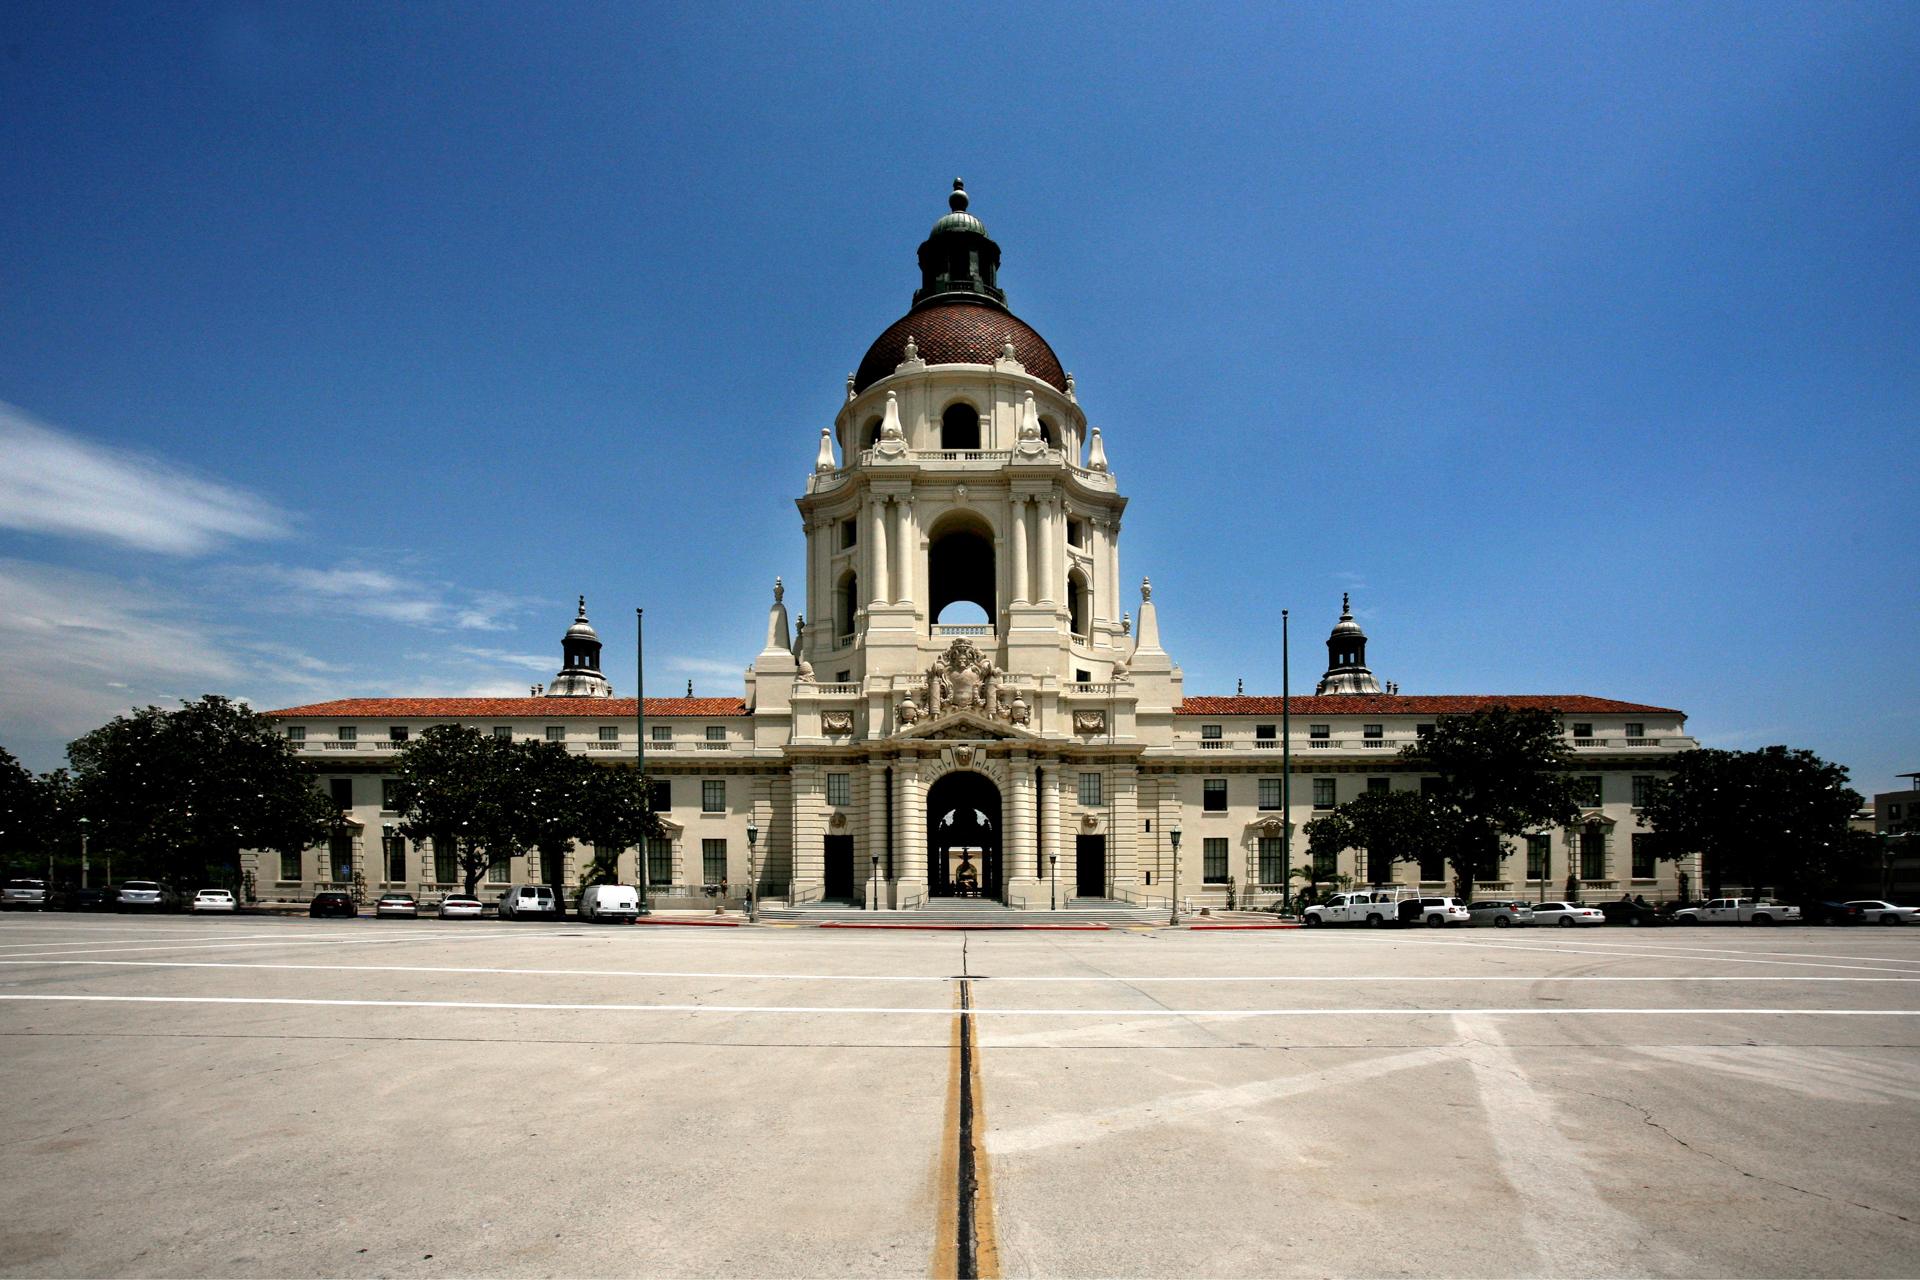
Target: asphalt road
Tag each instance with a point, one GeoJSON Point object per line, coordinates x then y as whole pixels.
{"type": "Point", "coordinates": [293, 1097]}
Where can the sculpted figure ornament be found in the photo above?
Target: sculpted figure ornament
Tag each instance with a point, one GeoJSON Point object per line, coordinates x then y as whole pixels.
{"type": "Point", "coordinates": [836, 722]}
{"type": "Point", "coordinates": [1089, 721]}
{"type": "Point", "coordinates": [1019, 712]}
{"type": "Point", "coordinates": [893, 441]}
{"type": "Point", "coordinates": [909, 711]}
{"type": "Point", "coordinates": [1031, 442]}
{"type": "Point", "coordinates": [963, 679]}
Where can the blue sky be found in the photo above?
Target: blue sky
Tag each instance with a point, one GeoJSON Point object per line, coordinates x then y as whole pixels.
{"type": "Point", "coordinates": [342, 346]}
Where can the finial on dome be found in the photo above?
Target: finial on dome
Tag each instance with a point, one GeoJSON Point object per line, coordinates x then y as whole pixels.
{"type": "Point", "coordinates": [912, 352]}
{"type": "Point", "coordinates": [1346, 608]}
{"type": "Point", "coordinates": [582, 617]}
{"type": "Point", "coordinates": [1239, 686]}
{"type": "Point", "coordinates": [689, 686]}
{"type": "Point", "coordinates": [1146, 588]}
{"type": "Point", "coordinates": [851, 393]}
{"type": "Point", "coordinates": [958, 200]}
{"type": "Point", "coordinates": [1006, 348]}
{"type": "Point", "coordinates": [779, 591]}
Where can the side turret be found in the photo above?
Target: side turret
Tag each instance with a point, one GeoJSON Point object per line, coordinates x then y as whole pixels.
{"type": "Point", "coordinates": [579, 675]}
{"type": "Point", "coordinates": [1347, 657]}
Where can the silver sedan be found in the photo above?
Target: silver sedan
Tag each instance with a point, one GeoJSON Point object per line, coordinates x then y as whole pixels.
{"type": "Point", "coordinates": [1874, 911]}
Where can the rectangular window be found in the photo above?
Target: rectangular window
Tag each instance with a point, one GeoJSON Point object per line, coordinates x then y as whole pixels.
{"type": "Point", "coordinates": [1433, 866]}
{"type": "Point", "coordinates": [716, 733]}
{"type": "Point", "coordinates": [503, 731]}
{"type": "Point", "coordinates": [713, 795]}
{"type": "Point", "coordinates": [1210, 731]}
{"type": "Point", "coordinates": [1588, 790]}
{"type": "Point", "coordinates": [1323, 793]}
{"type": "Point", "coordinates": [1593, 853]}
{"type": "Point", "coordinates": [289, 866]}
{"type": "Point", "coordinates": [396, 733]}
{"type": "Point", "coordinates": [849, 534]}
{"type": "Point", "coordinates": [1643, 855]}
{"type": "Point", "coordinates": [341, 849]}
{"type": "Point", "coordinates": [387, 788]}
{"type": "Point", "coordinates": [660, 797]}
{"type": "Point", "coordinates": [1373, 732]}
{"type": "Point", "coordinates": [556, 733]}
{"type": "Point", "coordinates": [1090, 790]}
{"type": "Point", "coordinates": [713, 860]}
{"type": "Point", "coordinates": [1538, 848]}
{"type": "Point", "coordinates": [1324, 864]}
{"type": "Point", "coordinates": [342, 789]}
{"type": "Point", "coordinates": [446, 867]}
{"type": "Point", "coordinates": [1635, 729]}
{"type": "Point", "coordinates": [659, 860]}
{"type": "Point", "coordinates": [1582, 730]}
{"type": "Point", "coordinates": [609, 733]}
{"type": "Point", "coordinates": [1266, 733]}
{"type": "Point", "coordinates": [498, 870]}
{"type": "Point", "coordinates": [348, 733]}
{"type": "Point", "coordinates": [396, 859]}
{"type": "Point", "coordinates": [296, 733]}
{"type": "Point", "coordinates": [660, 732]}
{"type": "Point", "coordinates": [1319, 732]}
{"type": "Point", "coordinates": [1642, 789]}
{"type": "Point", "coordinates": [1213, 868]}
{"type": "Point", "coordinates": [1270, 868]}
{"type": "Point", "coordinates": [1269, 793]}
{"type": "Point", "coordinates": [839, 789]}
{"type": "Point", "coordinates": [1213, 795]}
{"type": "Point", "coordinates": [1379, 784]}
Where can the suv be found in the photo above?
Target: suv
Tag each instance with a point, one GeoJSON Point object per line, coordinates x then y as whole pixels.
{"type": "Point", "coordinates": [1434, 912]}
{"type": "Point", "coordinates": [30, 895]}
{"type": "Point", "coordinates": [529, 901]}
{"type": "Point", "coordinates": [1501, 913]}
{"type": "Point", "coordinates": [332, 902]}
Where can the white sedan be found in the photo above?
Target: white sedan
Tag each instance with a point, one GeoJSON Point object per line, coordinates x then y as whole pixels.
{"type": "Point", "coordinates": [1874, 911]}
{"type": "Point", "coordinates": [1566, 914]}
{"type": "Point", "coordinates": [213, 900]}
{"type": "Point", "coordinates": [456, 906]}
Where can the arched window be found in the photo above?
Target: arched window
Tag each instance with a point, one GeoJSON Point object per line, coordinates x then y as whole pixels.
{"type": "Point", "coordinates": [846, 605]}
{"type": "Point", "coordinates": [960, 427]}
{"type": "Point", "coordinates": [1050, 433]}
{"type": "Point", "coordinates": [960, 570]}
{"type": "Point", "coordinates": [1077, 603]}
{"type": "Point", "coordinates": [872, 432]}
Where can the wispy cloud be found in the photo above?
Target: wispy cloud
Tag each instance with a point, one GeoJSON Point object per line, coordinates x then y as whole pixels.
{"type": "Point", "coordinates": [526, 661]}
{"type": "Point", "coordinates": [706, 666]}
{"type": "Point", "coordinates": [57, 483]}
{"type": "Point", "coordinates": [377, 593]}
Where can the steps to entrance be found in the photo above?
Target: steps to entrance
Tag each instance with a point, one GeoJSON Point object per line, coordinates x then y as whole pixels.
{"type": "Point", "coordinates": [968, 913]}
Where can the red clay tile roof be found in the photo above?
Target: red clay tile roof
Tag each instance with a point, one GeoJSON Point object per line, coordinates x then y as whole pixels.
{"type": "Point", "coordinates": [959, 333]}
{"type": "Point", "coordinates": [484, 708]}
{"type": "Point", "coordinates": [1388, 704]}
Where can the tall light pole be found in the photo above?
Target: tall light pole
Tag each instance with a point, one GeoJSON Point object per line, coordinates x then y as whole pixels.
{"type": "Point", "coordinates": [1173, 912]}
{"type": "Point", "coordinates": [83, 852]}
{"type": "Point", "coordinates": [873, 886]}
{"type": "Point", "coordinates": [753, 873]}
{"type": "Point", "coordinates": [1286, 773]}
{"type": "Point", "coordinates": [1053, 882]}
{"type": "Point", "coordinates": [640, 746]}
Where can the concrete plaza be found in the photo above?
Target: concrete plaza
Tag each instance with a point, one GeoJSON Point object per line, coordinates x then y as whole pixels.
{"type": "Point", "coordinates": [292, 1097]}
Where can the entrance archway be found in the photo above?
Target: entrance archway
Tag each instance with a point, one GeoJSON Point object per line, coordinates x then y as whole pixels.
{"type": "Point", "coordinates": [963, 837]}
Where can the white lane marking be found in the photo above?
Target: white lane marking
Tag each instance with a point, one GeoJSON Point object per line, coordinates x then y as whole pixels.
{"type": "Point", "coordinates": [1677, 948]}
{"type": "Point", "coordinates": [88, 943]}
{"type": "Point", "coordinates": [908, 977]}
{"type": "Point", "coordinates": [946, 1010]}
{"type": "Point", "coordinates": [227, 946]}
{"type": "Point", "coordinates": [1568, 1224]}
{"type": "Point", "coordinates": [1657, 955]}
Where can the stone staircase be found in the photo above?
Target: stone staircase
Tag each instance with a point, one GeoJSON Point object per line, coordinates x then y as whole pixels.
{"type": "Point", "coordinates": [962, 913]}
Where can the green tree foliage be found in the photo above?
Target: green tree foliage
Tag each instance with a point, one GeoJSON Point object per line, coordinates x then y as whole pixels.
{"type": "Point", "coordinates": [178, 794]}
{"type": "Point", "coordinates": [1774, 818]}
{"type": "Point", "coordinates": [449, 786]}
{"type": "Point", "coordinates": [22, 812]}
{"type": "Point", "coordinates": [1390, 826]}
{"type": "Point", "coordinates": [549, 783]}
{"type": "Point", "coordinates": [616, 812]}
{"type": "Point", "coordinates": [1501, 771]}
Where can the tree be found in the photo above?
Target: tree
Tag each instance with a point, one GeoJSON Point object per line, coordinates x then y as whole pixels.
{"type": "Point", "coordinates": [1500, 771]}
{"type": "Point", "coordinates": [177, 793]}
{"type": "Point", "coordinates": [548, 784]}
{"type": "Point", "coordinates": [448, 787]}
{"type": "Point", "coordinates": [1390, 826]}
{"type": "Point", "coordinates": [21, 811]}
{"type": "Point", "coordinates": [1774, 818]}
{"type": "Point", "coordinates": [616, 812]}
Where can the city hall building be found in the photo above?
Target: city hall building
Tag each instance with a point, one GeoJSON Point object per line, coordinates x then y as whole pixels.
{"type": "Point", "coordinates": [887, 755]}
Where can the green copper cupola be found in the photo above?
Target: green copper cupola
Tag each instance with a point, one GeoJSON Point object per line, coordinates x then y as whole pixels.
{"type": "Point", "coordinates": [957, 260]}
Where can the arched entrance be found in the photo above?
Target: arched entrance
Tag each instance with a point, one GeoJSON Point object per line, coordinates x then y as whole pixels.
{"type": "Point", "coordinates": [963, 837]}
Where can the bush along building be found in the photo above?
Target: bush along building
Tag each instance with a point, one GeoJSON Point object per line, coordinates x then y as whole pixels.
{"type": "Point", "coordinates": [977, 706]}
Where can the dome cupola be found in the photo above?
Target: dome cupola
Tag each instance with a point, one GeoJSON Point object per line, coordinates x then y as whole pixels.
{"type": "Point", "coordinates": [579, 675]}
{"type": "Point", "coordinates": [1347, 670]}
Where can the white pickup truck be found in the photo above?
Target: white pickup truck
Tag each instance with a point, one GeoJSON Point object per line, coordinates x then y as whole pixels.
{"type": "Point", "coordinates": [1375, 907]}
{"type": "Point", "coordinates": [1737, 911]}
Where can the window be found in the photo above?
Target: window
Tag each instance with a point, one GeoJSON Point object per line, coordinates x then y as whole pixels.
{"type": "Point", "coordinates": [289, 866]}
{"type": "Point", "coordinates": [839, 789]}
{"type": "Point", "coordinates": [713, 795]}
{"type": "Point", "coordinates": [1422, 730]}
{"type": "Point", "coordinates": [661, 732]}
{"type": "Point", "coordinates": [716, 733]}
{"type": "Point", "coordinates": [1264, 736]}
{"type": "Point", "coordinates": [296, 733]}
{"type": "Point", "coordinates": [1893, 811]}
{"type": "Point", "coordinates": [348, 733]}
{"type": "Point", "coordinates": [1587, 791]}
{"type": "Point", "coordinates": [1582, 730]}
{"type": "Point", "coordinates": [388, 786]}
{"type": "Point", "coordinates": [340, 850]}
{"type": "Point", "coordinates": [1374, 732]}
{"type": "Point", "coordinates": [1213, 869]}
{"type": "Point", "coordinates": [396, 733]}
{"type": "Point", "coordinates": [498, 871]}
{"type": "Point", "coordinates": [960, 427]}
{"type": "Point", "coordinates": [1538, 849]}
{"type": "Point", "coordinates": [659, 860]}
{"type": "Point", "coordinates": [1642, 789]}
{"type": "Point", "coordinates": [1269, 793]}
{"type": "Point", "coordinates": [446, 867]}
{"type": "Point", "coordinates": [1635, 729]}
{"type": "Point", "coordinates": [713, 860]}
{"type": "Point", "coordinates": [1076, 533]}
{"type": "Point", "coordinates": [1643, 855]}
{"type": "Point", "coordinates": [503, 732]}
{"type": "Point", "coordinates": [609, 733]}
{"type": "Point", "coordinates": [556, 733]}
{"type": "Point", "coordinates": [1377, 785]}
{"type": "Point", "coordinates": [849, 534]}
{"type": "Point", "coordinates": [1090, 790]}
{"type": "Point", "coordinates": [1319, 732]}
{"type": "Point", "coordinates": [396, 859]}
{"type": "Point", "coordinates": [1324, 864]}
{"type": "Point", "coordinates": [660, 795]}
{"type": "Point", "coordinates": [342, 789]}
{"type": "Point", "coordinates": [1213, 795]}
{"type": "Point", "coordinates": [1323, 793]}
{"type": "Point", "coordinates": [1433, 866]}
{"type": "Point", "coordinates": [1082, 675]}
{"type": "Point", "coordinates": [1210, 732]}
{"type": "Point", "coordinates": [1271, 871]}
{"type": "Point", "coordinates": [1593, 852]}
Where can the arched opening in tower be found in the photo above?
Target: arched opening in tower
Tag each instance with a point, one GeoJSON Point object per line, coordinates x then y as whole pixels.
{"type": "Point", "coordinates": [846, 603]}
{"type": "Point", "coordinates": [963, 836]}
{"type": "Point", "coordinates": [1077, 602]}
{"type": "Point", "coordinates": [960, 572]}
{"type": "Point", "coordinates": [960, 427]}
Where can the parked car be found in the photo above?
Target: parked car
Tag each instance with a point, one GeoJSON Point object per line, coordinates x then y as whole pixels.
{"type": "Point", "coordinates": [332, 902]}
{"type": "Point", "coordinates": [1501, 913]}
{"type": "Point", "coordinates": [610, 902]}
{"type": "Point", "coordinates": [1373, 907]}
{"type": "Point", "coordinates": [146, 895]}
{"type": "Point", "coordinates": [73, 898]}
{"type": "Point", "coordinates": [213, 900]}
{"type": "Point", "coordinates": [1626, 911]}
{"type": "Point", "coordinates": [24, 895]}
{"type": "Point", "coordinates": [456, 906]}
{"type": "Point", "coordinates": [396, 906]}
{"type": "Point", "coordinates": [529, 902]}
{"type": "Point", "coordinates": [1434, 912]}
{"type": "Point", "coordinates": [1830, 913]}
{"type": "Point", "coordinates": [1874, 911]}
{"type": "Point", "coordinates": [1567, 914]}
{"type": "Point", "coordinates": [1738, 911]}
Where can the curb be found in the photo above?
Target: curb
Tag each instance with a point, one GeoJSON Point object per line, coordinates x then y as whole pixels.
{"type": "Point", "coordinates": [693, 924]}
{"type": "Point", "coordinates": [970, 928]}
{"type": "Point", "coordinates": [1197, 928]}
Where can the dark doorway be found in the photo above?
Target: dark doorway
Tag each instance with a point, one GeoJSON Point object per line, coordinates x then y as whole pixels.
{"type": "Point", "coordinates": [963, 837]}
{"type": "Point", "coordinates": [839, 875]}
{"type": "Point", "coordinates": [1090, 866]}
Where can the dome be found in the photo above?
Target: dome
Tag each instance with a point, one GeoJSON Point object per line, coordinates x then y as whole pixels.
{"type": "Point", "coordinates": [959, 333]}
{"type": "Point", "coordinates": [581, 628]}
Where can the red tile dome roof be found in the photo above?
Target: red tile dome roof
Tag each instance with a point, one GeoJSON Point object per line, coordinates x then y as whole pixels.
{"type": "Point", "coordinates": [959, 333]}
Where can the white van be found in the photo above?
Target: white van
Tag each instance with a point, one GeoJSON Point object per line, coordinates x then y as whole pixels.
{"type": "Point", "coordinates": [610, 902]}
{"type": "Point", "coordinates": [529, 902]}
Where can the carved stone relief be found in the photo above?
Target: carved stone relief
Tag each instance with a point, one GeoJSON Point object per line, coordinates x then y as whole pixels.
{"type": "Point", "coordinates": [836, 722]}
{"type": "Point", "coordinates": [1089, 722]}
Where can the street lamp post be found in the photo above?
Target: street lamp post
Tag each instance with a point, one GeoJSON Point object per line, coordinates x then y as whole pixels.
{"type": "Point", "coordinates": [1173, 911]}
{"type": "Point", "coordinates": [1286, 773]}
{"type": "Point", "coordinates": [83, 853]}
{"type": "Point", "coordinates": [753, 874]}
{"type": "Point", "coordinates": [640, 745]}
{"type": "Point", "coordinates": [873, 886]}
{"type": "Point", "coordinates": [1053, 882]}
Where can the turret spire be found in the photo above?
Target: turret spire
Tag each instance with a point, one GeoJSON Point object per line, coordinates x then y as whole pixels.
{"type": "Point", "coordinates": [579, 675]}
{"type": "Point", "coordinates": [1347, 656]}
{"type": "Point", "coordinates": [957, 260]}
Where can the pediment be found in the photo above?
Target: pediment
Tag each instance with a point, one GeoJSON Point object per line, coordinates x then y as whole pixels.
{"type": "Point", "coordinates": [965, 726]}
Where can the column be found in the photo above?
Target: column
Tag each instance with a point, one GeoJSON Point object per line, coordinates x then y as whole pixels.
{"type": "Point", "coordinates": [910, 799]}
{"type": "Point", "coordinates": [1021, 853]}
{"type": "Point", "coordinates": [903, 544]}
{"type": "Point", "coordinates": [877, 549]}
{"type": "Point", "coordinates": [1050, 830]}
{"type": "Point", "coordinates": [1021, 586]}
{"type": "Point", "coordinates": [1049, 552]}
{"type": "Point", "coordinates": [876, 830]}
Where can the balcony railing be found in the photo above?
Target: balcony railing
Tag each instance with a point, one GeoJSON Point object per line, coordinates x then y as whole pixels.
{"type": "Point", "coordinates": [1089, 686]}
{"type": "Point", "coordinates": [838, 688]}
{"type": "Point", "coordinates": [963, 628]}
